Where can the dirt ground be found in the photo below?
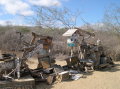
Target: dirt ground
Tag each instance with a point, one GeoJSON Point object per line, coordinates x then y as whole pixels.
{"type": "Point", "coordinates": [106, 79]}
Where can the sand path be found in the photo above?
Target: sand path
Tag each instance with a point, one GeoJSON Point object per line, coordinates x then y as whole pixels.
{"type": "Point", "coordinates": [107, 79]}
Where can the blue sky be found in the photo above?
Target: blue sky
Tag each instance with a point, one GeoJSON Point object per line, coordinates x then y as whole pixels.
{"type": "Point", "coordinates": [91, 10]}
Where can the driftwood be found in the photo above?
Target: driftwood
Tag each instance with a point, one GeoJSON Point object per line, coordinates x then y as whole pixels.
{"type": "Point", "coordinates": [7, 63]}
{"type": "Point", "coordinates": [81, 32]}
{"type": "Point", "coordinates": [24, 83]}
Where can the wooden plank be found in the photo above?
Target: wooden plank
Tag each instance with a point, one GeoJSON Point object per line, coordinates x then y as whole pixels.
{"type": "Point", "coordinates": [70, 32]}
{"type": "Point", "coordinates": [64, 75]}
{"type": "Point", "coordinates": [103, 65]}
{"type": "Point", "coordinates": [23, 83]}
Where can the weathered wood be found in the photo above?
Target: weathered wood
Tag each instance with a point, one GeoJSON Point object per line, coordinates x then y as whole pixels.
{"type": "Point", "coordinates": [7, 65]}
{"type": "Point", "coordinates": [24, 83]}
{"type": "Point", "coordinates": [104, 65]}
{"type": "Point", "coordinates": [64, 75]}
{"type": "Point", "coordinates": [72, 61]}
{"type": "Point", "coordinates": [81, 32]}
{"type": "Point", "coordinates": [50, 79]}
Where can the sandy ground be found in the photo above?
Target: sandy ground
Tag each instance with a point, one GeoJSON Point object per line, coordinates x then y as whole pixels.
{"type": "Point", "coordinates": [107, 79]}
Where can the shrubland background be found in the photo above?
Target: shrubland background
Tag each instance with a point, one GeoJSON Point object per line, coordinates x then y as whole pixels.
{"type": "Point", "coordinates": [10, 38]}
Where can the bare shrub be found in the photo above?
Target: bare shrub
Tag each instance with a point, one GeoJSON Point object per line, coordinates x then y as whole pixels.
{"type": "Point", "coordinates": [110, 42]}
{"type": "Point", "coordinates": [10, 40]}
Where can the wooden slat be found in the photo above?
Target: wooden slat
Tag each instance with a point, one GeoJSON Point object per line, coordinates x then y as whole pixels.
{"type": "Point", "coordinates": [24, 83]}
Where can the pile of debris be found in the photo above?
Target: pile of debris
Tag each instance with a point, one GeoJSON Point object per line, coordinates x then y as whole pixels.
{"type": "Point", "coordinates": [87, 57]}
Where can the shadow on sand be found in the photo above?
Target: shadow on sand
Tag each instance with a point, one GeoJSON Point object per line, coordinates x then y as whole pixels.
{"type": "Point", "coordinates": [115, 68]}
{"type": "Point", "coordinates": [44, 85]}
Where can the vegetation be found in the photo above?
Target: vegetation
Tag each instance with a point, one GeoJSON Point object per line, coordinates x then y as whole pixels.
{"type": "Point", "coordinates": [10, 39]}
{"type": "Point", "coordinates": [47, 24]}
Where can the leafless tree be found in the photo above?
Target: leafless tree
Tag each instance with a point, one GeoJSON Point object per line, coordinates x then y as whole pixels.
{"type": "Point", "coordinates": [112, 18]}
{"type": "Point", "coordinates": [52, 17]}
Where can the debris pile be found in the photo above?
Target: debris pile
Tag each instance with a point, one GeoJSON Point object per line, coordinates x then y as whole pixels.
{"type": "Point", "coordinates": [88, 57]}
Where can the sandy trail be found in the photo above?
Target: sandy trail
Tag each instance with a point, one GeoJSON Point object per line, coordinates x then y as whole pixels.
{"type": "Point", "coordinates": [107, 79]}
